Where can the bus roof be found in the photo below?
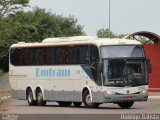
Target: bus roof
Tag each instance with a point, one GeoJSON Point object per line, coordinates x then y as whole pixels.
{"type": "Point", "coordinates": [75, 40]}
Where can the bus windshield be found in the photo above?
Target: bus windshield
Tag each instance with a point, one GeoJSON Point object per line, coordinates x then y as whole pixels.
{"type": "Point", "coordinates": [118, 51]}
{"type": "Point", "coordinates": [123, 72]}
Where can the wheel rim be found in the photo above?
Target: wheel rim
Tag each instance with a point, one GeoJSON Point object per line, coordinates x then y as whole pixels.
{"type": "Point", "coordinates": [30, 98]}
{"type": "Point", "coordinates": [39, 97]}
{"type": "Point", "coordinates": [88, 99]}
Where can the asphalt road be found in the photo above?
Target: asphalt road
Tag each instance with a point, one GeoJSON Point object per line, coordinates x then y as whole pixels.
{"type": "Point", "coordinates": [4, 83]}
{"type": "Point", "coordinates": [152, 106]}
{"type": "Point", "coordinates": [14, 109]}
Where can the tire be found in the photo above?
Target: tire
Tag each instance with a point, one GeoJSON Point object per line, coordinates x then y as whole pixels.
{"type": "Point", "coordinates": [39, 98]}
{"type": "Point", "coordinates": [30, 99]}
{"type": "Point", "coordinates": [77, 104]}
{"type": "Point", "coordinates": [125, 105]}
{"type": "Point", "coordinates": [87, 101]}
{"type": "Point", "coordinates": [64, 104]}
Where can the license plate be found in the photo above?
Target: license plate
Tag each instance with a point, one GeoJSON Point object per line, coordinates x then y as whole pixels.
{"type": "Point", "coordinates": [128, 98]}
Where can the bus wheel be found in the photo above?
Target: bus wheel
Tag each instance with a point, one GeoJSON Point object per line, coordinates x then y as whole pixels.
{"type": "Point", "coordinates": [77, 104]}
{"type": "Point", "coordinates": [125, 105]}
{"type": "Point", "coordinates": [87, 101]}
{"type": "Point", "coordinates": [39, 98]}
{"type": "Point", "coordinates": [30, 99]}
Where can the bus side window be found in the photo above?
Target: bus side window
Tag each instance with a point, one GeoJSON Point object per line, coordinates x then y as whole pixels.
{"type": "Point", "coordinates": [53, 50]}
{"type": "Point", "coordinates": [27, 56]}
{"type": "Point", "coordinates": [20, 57]}
{"type": "Point", "coordinates": [84, 55]}
{"type": "Point", "coordinates": [57, 55]}
{"type": "Point", "coordinates": [94, 55]}
{"type": "Point", "coordinates": [63, 55]}
{"type": "Point", "coordinates": [70, 55]}
{"type": "Point", "coordinates": [36, 57]}
{"type": "Point", "coordinates": [48, 56]}
{"type": "Point", "coordinates": [75, 55]}
{"type": "Point", "coordinates": [41, 56]}
{"type": "Point", "coordinates": [14, 56]}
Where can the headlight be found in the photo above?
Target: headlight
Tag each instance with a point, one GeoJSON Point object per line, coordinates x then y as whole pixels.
{"type": "Point", "coordinates": [109, 93]}
{"type": "Point", "coordinates": [144, 91]}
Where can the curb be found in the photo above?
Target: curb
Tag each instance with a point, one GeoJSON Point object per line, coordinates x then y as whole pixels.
{"type": "Point", "coordinates": [154, 97]}
{"type": "Point", "coordinates": [4, 98]}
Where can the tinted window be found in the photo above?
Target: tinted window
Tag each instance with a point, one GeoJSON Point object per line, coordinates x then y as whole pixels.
{"type": "Point", "coordinates": [94, 54]}
{"type": "Point", "coordinates": [82, 54]}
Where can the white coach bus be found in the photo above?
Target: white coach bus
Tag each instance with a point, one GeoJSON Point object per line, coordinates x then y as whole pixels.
{"type": "Point", "coordinates": [78, 70]}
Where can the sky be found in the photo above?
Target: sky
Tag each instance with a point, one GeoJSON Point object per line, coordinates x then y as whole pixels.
{"type": "Point", "coordinates": [127, 16]}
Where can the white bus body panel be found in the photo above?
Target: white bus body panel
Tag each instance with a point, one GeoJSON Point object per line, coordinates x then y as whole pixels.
{"type": "Point", "coordinates": [52, 80]}
{"type": "Point", "coordinates": [66, 82]}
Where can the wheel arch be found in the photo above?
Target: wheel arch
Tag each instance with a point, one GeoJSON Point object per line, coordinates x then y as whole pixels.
{"type": "Point", "coordinates": [86, 89]}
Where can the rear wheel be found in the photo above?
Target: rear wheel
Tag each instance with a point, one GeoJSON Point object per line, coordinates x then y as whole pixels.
{"type": "Point", "coordinates": [125, 105]}
{"type": "Point", "coordinates": [77, 104]}
{"type": "Point", "coordinates": [30, 99]}
{"type": "Point", "coordinates": [39, 98]}
{"type": "Point", "coordinates": [87, 100]}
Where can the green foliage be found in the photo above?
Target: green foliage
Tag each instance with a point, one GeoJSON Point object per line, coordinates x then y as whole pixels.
{"type": "Point", "coordinates": [34, 26]}
{"type": "Point", "coordinates": [4, 46]}
{"type": "Point", "coordinates": [38, 24]}
{"type": "Point", "coordinates": [11, 6]}
{"type": "Point", "coordinates": [104, 33]}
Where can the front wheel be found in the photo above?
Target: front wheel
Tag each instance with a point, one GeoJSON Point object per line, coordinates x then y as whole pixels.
{"type": "Point", "coordinates": [125, 105]}
{"type": "Point", "coordinates": [39, 98]}
{"type": "Point", "coordinates": [87, 100]}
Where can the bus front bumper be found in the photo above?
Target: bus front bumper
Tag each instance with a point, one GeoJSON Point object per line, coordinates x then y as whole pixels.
{"type": "Point", "coordinates": [128, 97]}
{"type": "Point", "coordinates": [120, 98]}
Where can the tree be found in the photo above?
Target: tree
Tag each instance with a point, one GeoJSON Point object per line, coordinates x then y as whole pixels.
{"type": "Point", "coordinates": [104, 33]}
{"type": "Point", "coordinates": [11, 6]}
{"type": "Point", "coordinates": [34, 26]}
{"type": "Point", "coordinates": [4, 47]}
